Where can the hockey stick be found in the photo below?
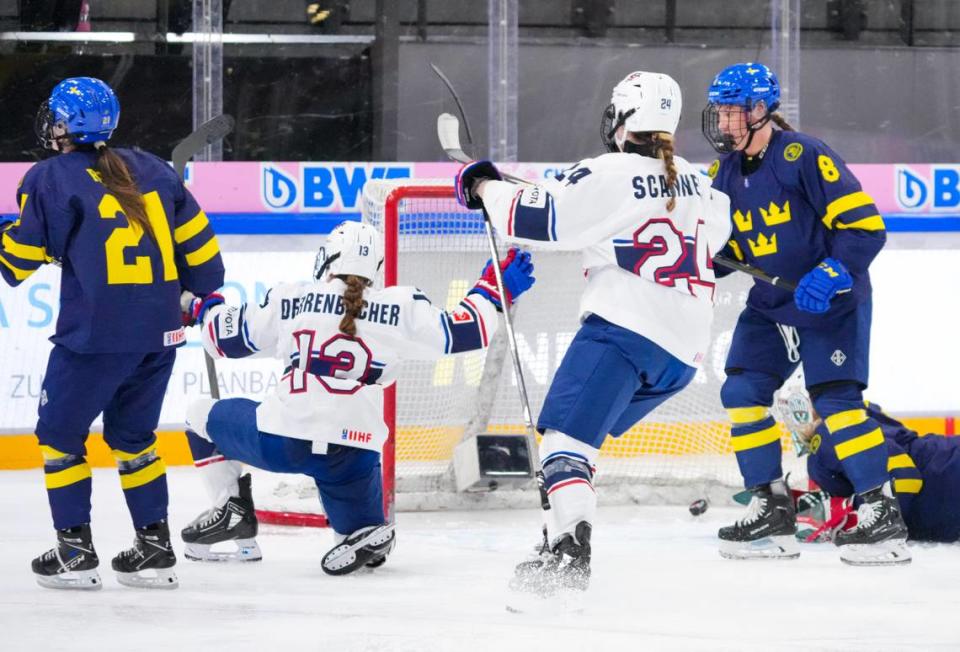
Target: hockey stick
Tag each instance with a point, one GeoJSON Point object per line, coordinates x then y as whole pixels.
{"type": "Point", "coordinates": [448, 132]}
{"type": "Point", "coordinates": [747, 268]}
{"type": "Point", "coordinates": [206, 134]}
{"type": "Point", "coordinates": [456, 99]}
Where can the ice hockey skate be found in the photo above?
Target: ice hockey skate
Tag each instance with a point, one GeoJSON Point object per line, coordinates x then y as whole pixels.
{"type": "Point", "coordinates": [367, 546]}
{"type": "Point", "coordinates": [149, 563]}
{"type": "Point", "coordinates": [880, 535]}
{"type": "Point", "coordinates": [72, 564]}
{"type": "Point", "coordinates": [234, 524]}
{"type": "Point", "coordinates": [767, 531]}
{"type": "Point", "coordinates": [565, 566]}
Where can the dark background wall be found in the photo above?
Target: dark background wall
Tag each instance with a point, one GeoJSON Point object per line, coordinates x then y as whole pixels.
{"type": "Point", "coordinates": [873, 105]}
{"type": "Point", "coordinates": [297, 108]}
{"type": "Point", "coordinates": [886, 91]}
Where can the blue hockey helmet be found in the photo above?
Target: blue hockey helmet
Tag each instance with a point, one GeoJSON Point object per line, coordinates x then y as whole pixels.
{"type": "Point", "coordinates": [84, 109]}
{"type": "Point", "coordinates": [745, 84]}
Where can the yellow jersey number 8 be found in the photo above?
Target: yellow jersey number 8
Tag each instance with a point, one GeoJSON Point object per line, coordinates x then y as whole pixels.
{"type": "Point", "coordinates": [139, 272]}
{"type": "Point", "coordinates": [828, 168]}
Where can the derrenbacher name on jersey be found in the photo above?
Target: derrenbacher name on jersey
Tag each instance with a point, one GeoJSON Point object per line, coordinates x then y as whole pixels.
{"type": "Point", "coordinates": [332, 388]}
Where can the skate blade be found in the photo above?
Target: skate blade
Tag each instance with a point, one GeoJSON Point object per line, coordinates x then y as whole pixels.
{"type": "Point", "coordinates": [343, 559]}
{"type": "Point", "coordinates": [246, 550]}
{"type": "Point", "coordinates": [73, 581]}
{"type": "Point", "coordinates": [160, 578]}
{"type": "Point", "coordinates": [777, 547]}
{"type": "Point", "coordinates": [885, 553]}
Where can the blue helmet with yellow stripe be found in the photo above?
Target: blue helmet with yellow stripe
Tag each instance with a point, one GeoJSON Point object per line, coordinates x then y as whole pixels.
{"type": "Point", "coordinates": [745, 84]}
{"type": "Point", "coordinates": [736, 91]}
{"type": "Point", "coordinates": [83, 109]}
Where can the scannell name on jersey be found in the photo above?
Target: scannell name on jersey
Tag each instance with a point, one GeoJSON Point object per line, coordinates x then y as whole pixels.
{"type": "Point", "coordinates": [655, 185]}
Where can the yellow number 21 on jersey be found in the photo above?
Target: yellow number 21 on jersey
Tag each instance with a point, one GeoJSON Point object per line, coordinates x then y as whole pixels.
{"type": "Point", "coordinates": [119, 272]}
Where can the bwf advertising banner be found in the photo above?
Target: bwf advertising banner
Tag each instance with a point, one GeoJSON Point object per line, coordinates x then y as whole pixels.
{"type": "Point", "coordinates": [908, 350]}
{"type": "Point", "coordinates": [918, 193]}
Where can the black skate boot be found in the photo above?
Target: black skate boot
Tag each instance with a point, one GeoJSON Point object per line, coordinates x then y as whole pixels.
{"type": "Point", "coordinates": [368, 546]}
{"type": "Point", "coordinates": [565, 567]}
{"type": "Point", "coordinates": [235, 521]}
{"type": "Point", "coordinates": [880, 535]}
{"type": "Point", "coordinates": [767, 531]}
{"type": "Point", "coordinates": [72, 564]}
{"type": "Point", "coordinates": [149, 563]}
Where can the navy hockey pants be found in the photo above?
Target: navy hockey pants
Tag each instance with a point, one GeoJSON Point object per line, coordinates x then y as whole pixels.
{"type": "Point", "coordinates": [349, 479]}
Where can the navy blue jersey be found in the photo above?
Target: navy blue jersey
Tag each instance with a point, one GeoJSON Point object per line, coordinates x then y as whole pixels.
{"type": "Point", "coordinates": [924, 472]}
{"type": "Point", "coordinates": [120, 289]}
{"type": "Point", "coordinates": [800, 206]}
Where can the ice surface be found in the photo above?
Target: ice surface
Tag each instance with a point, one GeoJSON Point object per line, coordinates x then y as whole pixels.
{"type": "Point", "coordinates": [658, 584]}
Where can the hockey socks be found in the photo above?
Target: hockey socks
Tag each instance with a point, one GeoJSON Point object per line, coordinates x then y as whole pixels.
{"type": "Point", "coordinates": [220, 475]}
{"type": "Point", "coordinates": [568, 469]}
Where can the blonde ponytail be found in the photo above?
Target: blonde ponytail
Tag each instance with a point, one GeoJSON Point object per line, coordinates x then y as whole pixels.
{"type": "Point", "coordinates": [352, 303]}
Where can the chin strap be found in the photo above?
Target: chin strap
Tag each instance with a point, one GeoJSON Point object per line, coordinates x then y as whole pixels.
{"type": "Point", "coordinates": [754, 128]}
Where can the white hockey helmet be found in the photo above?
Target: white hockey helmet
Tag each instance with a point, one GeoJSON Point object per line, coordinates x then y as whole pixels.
{"type": "Point", "coordinates": [351, 248]}
{"type": "Point", "coordinates": [642, 102]}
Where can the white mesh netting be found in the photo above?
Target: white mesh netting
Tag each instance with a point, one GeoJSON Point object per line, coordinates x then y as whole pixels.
{"type": "Point", "coordinates": [680, 450]}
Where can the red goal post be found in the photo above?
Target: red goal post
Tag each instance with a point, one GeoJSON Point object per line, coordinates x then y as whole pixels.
{"type": "Point", "coordinates": [681, 451]}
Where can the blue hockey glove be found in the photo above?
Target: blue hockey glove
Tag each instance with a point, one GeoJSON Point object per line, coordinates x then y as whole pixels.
{"type": "Point", "coordinates": [6, 221]}
{"type": "Point", "coordinates": [193, 308]}
{"type": "Point", "coordinates": [818, 286]}
{"type": "Point", "coordinates": [468, 175]}
{"type": "Point", "coordinates": [517, 271]}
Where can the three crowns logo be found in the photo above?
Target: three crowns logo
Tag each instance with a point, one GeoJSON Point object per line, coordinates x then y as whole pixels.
{"type": "Point", "coordinates": [775, 215]}
{"type": "Point", "coordinates": [744, 222]}
{"type": "Point", "coordinates": [772, 216]}
{"type": "Point", "coordinates": [763, 246]}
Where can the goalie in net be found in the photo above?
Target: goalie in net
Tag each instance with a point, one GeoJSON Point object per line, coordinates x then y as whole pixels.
{"type": "Point", "coordinates": [342, 341]}
{"type": "Point", "coordinates": [647, 222]}
{"type": "Point", "coordinates": [923, 471]}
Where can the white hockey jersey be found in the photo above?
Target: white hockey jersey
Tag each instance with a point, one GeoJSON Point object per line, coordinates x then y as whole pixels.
{"type": "Point", "coordinates": [648, 270]}
{"type": "Point", "coordinates": [332, 388]}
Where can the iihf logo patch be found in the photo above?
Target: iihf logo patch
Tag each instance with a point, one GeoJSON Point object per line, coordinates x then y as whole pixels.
{"type": "Point", "coordinates": [838, 357]}
{"type": "Point", "coordinates": [356, 435]}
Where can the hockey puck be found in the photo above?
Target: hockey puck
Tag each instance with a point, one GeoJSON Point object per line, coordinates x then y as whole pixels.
{"type": "Point", "coordinates": [698, 507]}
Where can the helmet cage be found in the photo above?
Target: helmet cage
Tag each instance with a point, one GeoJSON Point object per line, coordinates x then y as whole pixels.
{"type": "Point", "coordinates": [50, 133]}
{"type": "Point", "coordinates": [610, 123]}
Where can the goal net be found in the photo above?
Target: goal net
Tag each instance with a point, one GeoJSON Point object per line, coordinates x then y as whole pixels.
{"type": "Point", "coordinates": [682, 449]}
{"type": "Point", "coordinates": [680, 452]}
